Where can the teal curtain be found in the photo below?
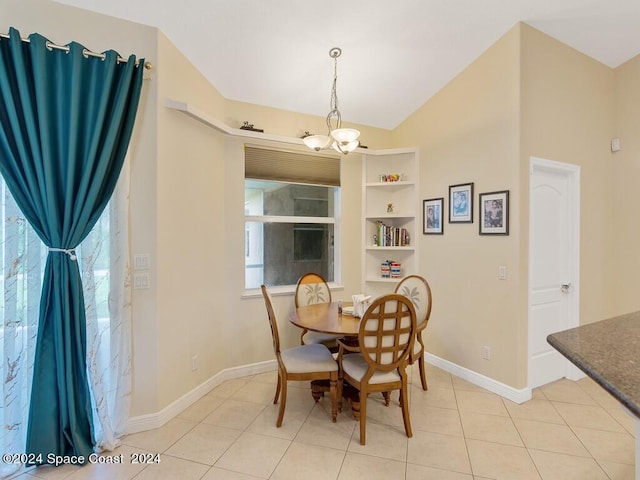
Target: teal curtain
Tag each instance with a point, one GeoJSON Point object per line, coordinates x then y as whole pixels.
{"type": "Point", "coordinates": [65, 124]}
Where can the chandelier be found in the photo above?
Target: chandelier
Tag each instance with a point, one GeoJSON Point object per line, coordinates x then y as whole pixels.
{"type": "Point", "coordinates": [344, 140]}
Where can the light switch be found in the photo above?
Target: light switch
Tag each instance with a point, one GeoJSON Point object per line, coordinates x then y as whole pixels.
{"type": "Point", "coordinates": [615, 144]}
{"type": "Point", "coordinates": [141, 280]}
{"type": "Point", "coordinates": [502, 273]}
{"type": "Point", "coordinates": [141, 261]}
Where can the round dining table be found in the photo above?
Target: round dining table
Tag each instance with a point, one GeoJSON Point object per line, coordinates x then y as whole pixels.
{"type": "Point", "coordinates": [325, 318]}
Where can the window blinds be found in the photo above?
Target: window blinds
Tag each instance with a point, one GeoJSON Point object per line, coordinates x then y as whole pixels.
{"type": "Point", "coordinates": [291, 167]}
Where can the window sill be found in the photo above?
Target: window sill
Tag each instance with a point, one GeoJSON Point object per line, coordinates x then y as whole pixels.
{"type": "Point", "coordinates": [283, 290]}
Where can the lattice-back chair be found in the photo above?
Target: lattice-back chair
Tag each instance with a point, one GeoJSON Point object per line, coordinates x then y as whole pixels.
{"type": "Point", "coordinates": [304, 362]}
{"type": "Point", "coordinates": [312, 288]}
{"type": "Point", "coordinates": [385, 341]}
{"type": "Point", "coordinates": [416, 289]}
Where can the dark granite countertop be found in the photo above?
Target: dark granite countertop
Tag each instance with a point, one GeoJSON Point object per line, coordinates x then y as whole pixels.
{"type": "Point", "coordinates": [609, 352]}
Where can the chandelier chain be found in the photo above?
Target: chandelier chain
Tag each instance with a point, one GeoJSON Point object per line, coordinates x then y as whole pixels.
{"type": "Point", "coordinates": [335, 112]}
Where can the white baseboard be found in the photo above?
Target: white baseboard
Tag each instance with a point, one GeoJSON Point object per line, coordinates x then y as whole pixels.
{"type": "Point", "coordinates": [513, 394]}
{"type": "Point", "coordinates": [156, 420]}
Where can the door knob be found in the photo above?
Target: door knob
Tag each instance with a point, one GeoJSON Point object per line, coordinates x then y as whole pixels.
{"type": "Point", "coordinates": [565, 287]}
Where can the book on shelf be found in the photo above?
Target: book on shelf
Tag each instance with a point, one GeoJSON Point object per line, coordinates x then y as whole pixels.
{"type": "Point", "coordinates": [390, 236]}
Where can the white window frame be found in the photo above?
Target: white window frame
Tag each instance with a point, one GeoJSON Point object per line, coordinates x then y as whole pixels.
{"type": "Point", "coordinates": [337, 239]}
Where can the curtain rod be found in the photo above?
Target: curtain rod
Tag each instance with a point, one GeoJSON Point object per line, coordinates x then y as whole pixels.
{"type": "Point", "coordinates": [86, 52]}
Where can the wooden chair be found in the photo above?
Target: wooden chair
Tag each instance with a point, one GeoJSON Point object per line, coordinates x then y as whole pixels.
{"type": "Point", "coordinates": [312, 288]}
{"type": "Point", "coordinates": [417, 289]}
{"type": "Point", "coordinates": [301, 363]}
{"type": "Point", "coordinates": [385, 338]}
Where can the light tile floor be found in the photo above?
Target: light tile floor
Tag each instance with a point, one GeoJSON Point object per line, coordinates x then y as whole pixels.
{"type": "Point", "coordinates": [568, 430]}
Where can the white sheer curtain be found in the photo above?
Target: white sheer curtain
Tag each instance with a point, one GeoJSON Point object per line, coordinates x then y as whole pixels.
{"type": "Point", "coordinates": [104, 263]}
{"type": "Point", "coordinates": [104, 258]}
{"type": "Point", "coordinates": [23, 259]}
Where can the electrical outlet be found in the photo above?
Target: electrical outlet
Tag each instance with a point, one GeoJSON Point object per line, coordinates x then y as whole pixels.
{"type": "Point", "coordinates": [486, 352]}
{"type": "Point", "coordinates": [194, 363]}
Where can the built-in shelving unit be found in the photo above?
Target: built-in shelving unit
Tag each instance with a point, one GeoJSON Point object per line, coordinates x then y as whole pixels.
{"type": "Point", "coordinates": [390, 208]}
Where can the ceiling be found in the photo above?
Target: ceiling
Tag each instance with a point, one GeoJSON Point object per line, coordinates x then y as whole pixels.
{"type": "Point", "coordinates": [395, 54]}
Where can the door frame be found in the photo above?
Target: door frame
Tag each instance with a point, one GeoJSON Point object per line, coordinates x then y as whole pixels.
{"type": "Point", "coordinates": [572, 173]}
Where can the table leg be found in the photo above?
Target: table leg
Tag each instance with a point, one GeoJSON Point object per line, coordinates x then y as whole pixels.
{"type": "Point", "coordinates": [319, 387]}
{"type": "Point", "coordinates": [353, 395]}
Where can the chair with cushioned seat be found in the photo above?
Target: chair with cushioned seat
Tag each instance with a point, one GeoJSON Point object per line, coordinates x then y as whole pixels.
{"type": "Point", "coordinates": [378, 363]}
{"type": "Point", "coordinates": [312, 288]}
{"type": "Point", "coordinates": [417, 289]}
{"type": "Point", "coordinates": [304, 362]}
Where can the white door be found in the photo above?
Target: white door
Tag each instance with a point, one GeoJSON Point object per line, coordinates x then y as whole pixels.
{"type": "Point", "coordinates": [554, 202]}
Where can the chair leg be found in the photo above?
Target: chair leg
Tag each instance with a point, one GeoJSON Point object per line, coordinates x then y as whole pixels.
{"type": "Point", "coordinates": [387, 398]}
{"type": "Point", "coordinates": [363, 416]}
{"type": "Point", "coordinates": [423, 376]}
{"type": "Point", "coordinates": [275, 399]}
{"type": "Point", "coordinates": [410, 361]}
{"type": "Point", "coordinates": [333, 389]}
{"type": "Point", "coordinates": [283, 402]}
{"type": "Point", "coordinates": [405, 408]}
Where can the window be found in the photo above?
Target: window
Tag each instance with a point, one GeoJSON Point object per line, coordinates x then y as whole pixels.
{"type": "Point", "coordinates": [310, 242]}
{"type": "Point", "coordinates": [291, 226]}
{"type": "Point", "coordinates": [23, 258]}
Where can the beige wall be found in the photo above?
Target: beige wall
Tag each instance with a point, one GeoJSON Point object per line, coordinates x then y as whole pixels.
{"type": "Point", "coordinates": [293, 124]}
{"type": "Point", "coordinates": [62, 24]}
{"type": "Point", "coordinates": [528, 95]}
{"type": "Point", "coordinates": [190, 278]}
{"type": "Point", "coordinates": [568, 116]}
{"type": "Point", "coordinates": [468, 132]}
{"type": "Point", "coordinates": [625, 165]}
{"type": "Point", "coordinates": [200, 233]}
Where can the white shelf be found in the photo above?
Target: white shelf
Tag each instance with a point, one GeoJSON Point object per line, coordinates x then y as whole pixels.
{"type": "Point", "coordinates": [390, 184]}
{"type": "Point", "coordinates": [203, 117]}
{"type": "Point", "coordinates": [382, 280]}
{"type": "Point", "coordinates": [387, 216]}
{"type": "Point", "coordinates": [376, 196]}
{"type": "Point", "coordinates": [408, 249]}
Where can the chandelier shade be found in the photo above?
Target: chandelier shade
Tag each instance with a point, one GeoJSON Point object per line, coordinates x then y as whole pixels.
{"type": "Point", "coordinates": [345, 135]}
{"type": "Point", "coordinates": [344, 140]}
{"type": "Point", "coordinates": [345, 147]}
{"type": "Point", "coordinates": [317, 142]}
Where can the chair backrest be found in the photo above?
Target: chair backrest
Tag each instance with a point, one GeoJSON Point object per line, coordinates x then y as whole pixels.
{"type": "Point", "coordinates": [311, 289]}
{"type": "Point", "coordinates": [417, 289]}
{"type": "Point", "coordinates": [386, 331]}
{"type": "Point", "coordinates": [272, 320]}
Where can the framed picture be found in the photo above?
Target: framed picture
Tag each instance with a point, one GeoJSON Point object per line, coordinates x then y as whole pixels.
{"type": "Point", "coordinates": [461, 203]}
{"type": "Point", "coordinates": [494, 213]}
{"type": "Point", "coordinates": [432, 216]}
